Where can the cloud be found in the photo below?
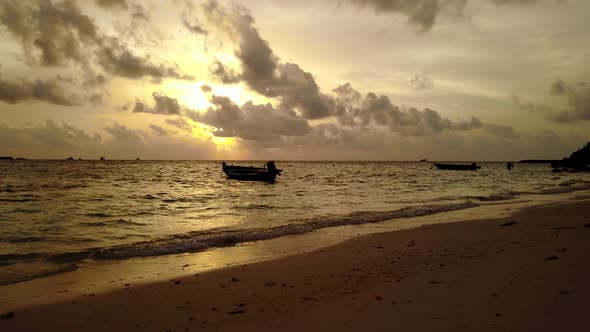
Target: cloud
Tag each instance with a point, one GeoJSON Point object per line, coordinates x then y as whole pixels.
{"type": "Point", "coordinates": [181, 124]}
{"type": "Point", "coordinates": [58, 31]}
{"type": "Point", "coordinates": [421, 82]}
{"type": "Point", "coordinates": [58, 34]}
{"type": "Point", "coordinates": [158, 131]}
{"type": "Point", "coordinates": [45, 140]}
{"type": "Point", "coordinates": [119, 60]}
{"type": "Point", "coordinates": [195, 28]}
{"type": "Point", "coordinates": [112, 3]}
{"type": "Point", "coordinates": [162, 105]}
{"type": "Point", "coordinates": [558, 88]}
{"type": "Point", "coordinates": [577, 99]}
{"type": "Point", "coordinates": [52, 140]}
{"type": "Point", "coordinates": [377, 110]}
{"type": "Point", "coordinates": [501, 131]}
{"type": "Point", "coordinates": [261, 69]}
{"type": "Point", "coordinates": [218, 71]}
{"type": "Point", "coordinates": [50, 91]}
{"type": "Point", "coordinates": [423, 13]}
{"type": "Point", "coordinates": [251, 122]}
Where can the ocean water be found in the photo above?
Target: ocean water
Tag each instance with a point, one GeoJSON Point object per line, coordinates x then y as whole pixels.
{"type": "Point", "coordinates": [55, 215]}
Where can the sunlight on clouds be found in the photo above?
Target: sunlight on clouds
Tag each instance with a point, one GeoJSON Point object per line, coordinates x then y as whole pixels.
{"type": "Point", "coordinates": [188, 94]}
{"type": "Point", "coordinates": [224, 142]}
{"type": "Point", "coordinates": [227, 144]}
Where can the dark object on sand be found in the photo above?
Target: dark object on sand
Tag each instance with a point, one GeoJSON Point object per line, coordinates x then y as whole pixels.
{"type": "Point", "coordinates": [7, 315]}
{"type": "Point", "coordinates": [248, 173]}
{"type": "Point", "coordinates": [510, 223]}
{"type": "Point", "coordinates": [102, 158]}
{"type": "Point", "coordinates": [458, 167]}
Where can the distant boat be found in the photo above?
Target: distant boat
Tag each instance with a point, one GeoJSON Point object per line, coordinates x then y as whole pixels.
{"type": "Point", "coordinates": [458, 167]}
{"type": "Point", "coordinates": [102, 158]}
{"type": "Point", "coordinates": [423, 159]}
{"type": "Point", "coordinates": [248, 173]}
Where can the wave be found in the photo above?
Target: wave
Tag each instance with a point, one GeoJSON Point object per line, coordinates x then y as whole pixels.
{"type": "Point", "coordinates": [565, 187]}
{"type": "Point", "coordinates": [111, 223]}
{"type": "Point", "coordinates": [203, 240]}
{"type": "Point", "coordinates": [98, 215]}
{"type": "Point", "coordinates": [11, 278]}
{"type": "Point", "coordinates": [502, 195]}
{"type": "Point", "coordinates": [199, 241]}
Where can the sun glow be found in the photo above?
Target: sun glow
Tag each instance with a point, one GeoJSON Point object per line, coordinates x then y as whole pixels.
{"type": "Point", "coordinates": [224, 142]}
{"type": "Point", "coordinates": [188, 94]}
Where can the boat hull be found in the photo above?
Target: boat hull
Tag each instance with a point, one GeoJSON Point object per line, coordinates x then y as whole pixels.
{"type": "Point", "coordinates": [457, 167]}
{"type": "Point", "coordinates": [250, 173]}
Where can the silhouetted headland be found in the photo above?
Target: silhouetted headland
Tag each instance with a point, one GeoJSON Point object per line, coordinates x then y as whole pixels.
{"type": "Point", "coordinates": [538, 161]}
{"type": "Point", "coordinates": [578, 161]}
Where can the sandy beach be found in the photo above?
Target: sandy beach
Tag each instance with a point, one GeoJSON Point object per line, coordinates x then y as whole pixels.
{"type": "Point", "coordinates": [525, 272]}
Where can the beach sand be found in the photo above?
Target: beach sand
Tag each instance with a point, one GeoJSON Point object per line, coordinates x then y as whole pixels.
{"type": "Point", "coordinates": [526, 272]}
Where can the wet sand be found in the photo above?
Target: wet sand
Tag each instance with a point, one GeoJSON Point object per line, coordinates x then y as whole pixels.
{"type": "Point", "coordinates": [526, 272]}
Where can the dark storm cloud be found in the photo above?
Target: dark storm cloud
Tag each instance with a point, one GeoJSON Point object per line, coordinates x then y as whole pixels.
{"type": "Point", "coordinates": [162, 105]}
{"type": "Point", "coordinates": [262, 70]}
{"type": "Point", "coordinates": [251, 122]}
{"type": "Point", "coordinates": [58, 33]}
{"type": "Point", "coordinates": [50, 91]}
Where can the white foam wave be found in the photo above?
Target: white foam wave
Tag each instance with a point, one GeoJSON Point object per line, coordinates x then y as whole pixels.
{"type": "Point", "coordinates": [199, 241]}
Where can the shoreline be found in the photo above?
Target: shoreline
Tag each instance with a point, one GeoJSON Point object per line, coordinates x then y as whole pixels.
{"type": "Point", "coordinates": [322, 277]}
{"type": "Point", "coordinates": [106, 275]}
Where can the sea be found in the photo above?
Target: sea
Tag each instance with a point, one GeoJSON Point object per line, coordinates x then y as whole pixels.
{"type": "Point", "coordinates": [57, 215]}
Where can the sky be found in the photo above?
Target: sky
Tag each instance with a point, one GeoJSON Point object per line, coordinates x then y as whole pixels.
{"type": "Point", "coordinates": [294, 80]}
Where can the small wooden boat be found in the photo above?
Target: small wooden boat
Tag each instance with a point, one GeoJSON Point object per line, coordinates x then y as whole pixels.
{"type": "Point", "coordinates": [458, 167]}
{"type": "Point", "coordinates": [248, 173]}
